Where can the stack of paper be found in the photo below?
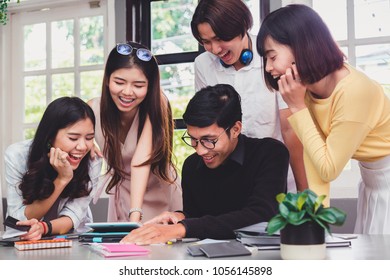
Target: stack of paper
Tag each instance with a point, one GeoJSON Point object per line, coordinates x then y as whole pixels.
{"type": "Point", "coordinates": [339, 240]}
{"type": "Point", "coordinates": [257, 236]}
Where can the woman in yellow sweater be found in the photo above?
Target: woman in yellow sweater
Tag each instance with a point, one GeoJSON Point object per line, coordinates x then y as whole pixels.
{"type": "Point", "coordinates": [338, 113]}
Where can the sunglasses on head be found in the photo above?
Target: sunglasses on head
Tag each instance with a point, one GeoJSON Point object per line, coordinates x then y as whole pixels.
{"type": "Point", "coordinates": [126, 49]}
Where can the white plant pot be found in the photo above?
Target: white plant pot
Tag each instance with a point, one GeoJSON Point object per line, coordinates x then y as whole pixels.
{"type": "Point", "coordinates": [303, 242]}
{"type": "Point", "coordinates": [303, 252]}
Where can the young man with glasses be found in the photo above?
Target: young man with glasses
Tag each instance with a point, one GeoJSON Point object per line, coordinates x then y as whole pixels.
{"type": "Point", "coordinates": [230, 182]}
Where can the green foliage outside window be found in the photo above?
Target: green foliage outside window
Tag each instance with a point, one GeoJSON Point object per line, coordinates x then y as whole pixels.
{"type": "Point", "coordinates": [171, 20]}
{"type": "Point", "coordinates": [171, 33]}
{"type": "Point", "coordinates": [180, 149]}
{"type": "Point", "coordinates": [4, 11]}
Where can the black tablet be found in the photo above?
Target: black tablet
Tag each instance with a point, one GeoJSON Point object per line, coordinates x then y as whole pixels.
{"type": "Point", "coordinates": [113, 226]}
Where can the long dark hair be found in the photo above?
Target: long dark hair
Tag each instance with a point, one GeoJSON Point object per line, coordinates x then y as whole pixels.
{"type": "Point", "coordinates": [37, 182]}
{"type": "Point", "coordinates": [155, 105]}
{"type": "Point", "coordinates": [302, 29]}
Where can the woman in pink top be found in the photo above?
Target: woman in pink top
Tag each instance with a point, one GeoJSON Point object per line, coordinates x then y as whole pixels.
{"type": "Point", "coordinates": [134, 129]}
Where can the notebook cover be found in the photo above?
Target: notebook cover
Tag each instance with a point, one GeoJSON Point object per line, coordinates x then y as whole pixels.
{"type": "Point", "coordinates": [226, 249]}
{"type": "Point", "coordinates": [117, 247]}
{"type": "Point", "coordinates": [194, 250]}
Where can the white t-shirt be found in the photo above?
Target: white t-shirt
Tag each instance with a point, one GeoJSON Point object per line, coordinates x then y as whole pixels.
{"type": "Point", "coordinates": [260, 106]}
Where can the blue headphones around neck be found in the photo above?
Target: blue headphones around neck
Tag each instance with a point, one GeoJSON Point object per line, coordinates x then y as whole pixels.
{"type": "Point", "coordinates": [246, 55]}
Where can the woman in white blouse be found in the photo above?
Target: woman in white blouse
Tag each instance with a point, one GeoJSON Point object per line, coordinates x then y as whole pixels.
{"type": "Point", "coordinates": [51, 178]}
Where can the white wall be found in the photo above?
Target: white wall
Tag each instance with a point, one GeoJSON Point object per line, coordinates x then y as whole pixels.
{"type": "Point", "coordinates": [5, 92]}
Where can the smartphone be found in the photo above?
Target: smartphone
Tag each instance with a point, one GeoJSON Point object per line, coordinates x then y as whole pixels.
{"type": "Point", "coordinates": [11, 222]}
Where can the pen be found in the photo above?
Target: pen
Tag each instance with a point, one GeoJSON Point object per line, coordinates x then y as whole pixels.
{"type": "Point", "coordinates": [184, 240]}
{"type": "Point", "coordinates": [104, 240]}
{"type": "Point", "coordinates": [66, 236]}
{"type": "Point", "coordinates": [170, 242]}
{"type": "Point", "coordinates": [188, 240]}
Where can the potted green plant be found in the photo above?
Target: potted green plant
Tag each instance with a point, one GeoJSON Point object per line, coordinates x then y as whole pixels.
{"type": "Point", "coordinates": [302, 221]}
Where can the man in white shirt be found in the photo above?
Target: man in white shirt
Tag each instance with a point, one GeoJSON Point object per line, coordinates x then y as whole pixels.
{"type": "Point", "coordinates": [222, 26]}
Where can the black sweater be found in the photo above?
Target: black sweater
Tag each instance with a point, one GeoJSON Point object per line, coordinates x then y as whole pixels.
{"type": "Point", "coordinates": [238, 193]}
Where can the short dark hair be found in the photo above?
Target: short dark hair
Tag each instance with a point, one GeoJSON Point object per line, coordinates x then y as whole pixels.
{"type": "Point", "coordinates": [227, 18]}
{"type": "Point", "coordinates": [220, 104]}
{"type": "Point", "coordinates": [302, 29]}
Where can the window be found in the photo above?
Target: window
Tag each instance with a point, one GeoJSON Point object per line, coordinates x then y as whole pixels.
{"type": "Point", "coordinates": [167, 31]}
{"type": "Point", "coordinates": [175, 48]}
{"type": "Point", "coordinates": [49, 49]}
{"type": "Point", "coordinates": [57, 52]}
{"type": "Point", "coordinates": [362, 28]}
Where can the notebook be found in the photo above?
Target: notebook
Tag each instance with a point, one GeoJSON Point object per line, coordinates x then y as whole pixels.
{"type": "Point", "coordinates": [217, 250]}
{"type": "Point", "coordinates": [43, 244]}
{"type": "Point", "coordinates": [109, 250]}
{"type": "Point", "coordinates": [256, 235]}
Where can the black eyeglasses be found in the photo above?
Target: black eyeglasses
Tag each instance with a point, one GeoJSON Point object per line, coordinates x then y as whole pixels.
{"type": "Point", "coordinates": [207, 143]}
{"type": "Point", "coordinates": [126, 49]}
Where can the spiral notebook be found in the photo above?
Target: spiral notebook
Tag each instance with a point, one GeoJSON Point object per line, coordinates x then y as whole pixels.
{"type": "Point", "coordinates": [43, 244]}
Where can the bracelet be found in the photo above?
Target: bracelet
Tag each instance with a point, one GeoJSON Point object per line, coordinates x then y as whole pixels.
{"type": "Point", "coordinates": [49, 227]}
{"type": "Point", "coordinates": [139, 210]}
{"type": "Point", "coordinates": [44, 227]}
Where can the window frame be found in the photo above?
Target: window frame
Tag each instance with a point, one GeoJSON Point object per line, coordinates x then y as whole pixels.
{"type": "Point", "coordinates": [18, 72]}
{"type": "Point", "coordinates": [138, 29]}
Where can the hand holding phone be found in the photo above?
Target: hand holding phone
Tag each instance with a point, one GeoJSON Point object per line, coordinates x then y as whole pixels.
{"type": "Point", "coordinates": [11, 222]}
